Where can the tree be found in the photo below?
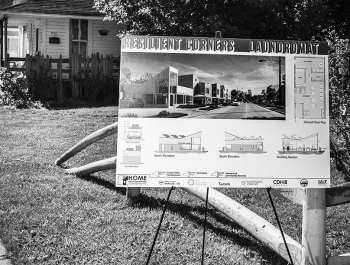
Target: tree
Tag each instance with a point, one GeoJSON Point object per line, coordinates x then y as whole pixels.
{"type": "Point", "coordinates": [268, 19]}
{"type": "Point", "coordinates": [143, 78]}
{"type": "Point", "coordinates": [234, 94]}
{"type": "Point", "coordinates": [339, 86]}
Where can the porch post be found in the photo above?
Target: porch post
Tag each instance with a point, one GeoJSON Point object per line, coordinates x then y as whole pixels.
{"type": "Point", "coordinates": [5, 52]}
{"type": "Point", "coordinates": [1, 43]}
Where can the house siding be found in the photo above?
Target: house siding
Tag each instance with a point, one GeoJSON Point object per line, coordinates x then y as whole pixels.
{"type": "Point", "coordinates": [56, 27]}
{"type": "Point", "coordinates": [34, 47]}
{"type": "Point", "coordinates": [109, 44]}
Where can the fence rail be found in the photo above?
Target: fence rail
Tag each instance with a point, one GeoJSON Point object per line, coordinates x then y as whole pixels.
{"type": "Point", "coordinates": [68, 70]}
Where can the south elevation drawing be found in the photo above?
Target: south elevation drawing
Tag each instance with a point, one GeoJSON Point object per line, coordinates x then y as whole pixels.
{"type": "Point", "coordinates": [238, 144]}
{"type": "Point", "coordinates": [132, 155]}
{"type": "Point", "coordinates": [301, 145]}
{"type": "Point", "coordinates": [181, 143]}
{"type": "Point", "coordinates": [309, 88]}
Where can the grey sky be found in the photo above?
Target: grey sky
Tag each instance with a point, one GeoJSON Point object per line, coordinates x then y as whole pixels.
{"type": "Point", "coordinates": [233, 71]}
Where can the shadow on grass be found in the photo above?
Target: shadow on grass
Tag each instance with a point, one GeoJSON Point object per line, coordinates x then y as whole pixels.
{"type": "Point", "coordinates": [104, 183]}
{"type": "Point", "coordinates": [79, 104]}
{"type": "Point", "coordinates": [184, 211]}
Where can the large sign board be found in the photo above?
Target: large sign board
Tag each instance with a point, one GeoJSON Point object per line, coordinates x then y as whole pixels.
{"type": "Point", "coordinates": [223, 113]}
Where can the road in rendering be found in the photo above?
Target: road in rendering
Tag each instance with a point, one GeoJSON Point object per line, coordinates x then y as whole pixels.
{"type": "Point", "coordinates": [243, 111]}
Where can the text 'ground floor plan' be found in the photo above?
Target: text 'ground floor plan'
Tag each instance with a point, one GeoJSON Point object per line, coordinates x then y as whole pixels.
{"type": "Point", "coordinates": [309, 88]}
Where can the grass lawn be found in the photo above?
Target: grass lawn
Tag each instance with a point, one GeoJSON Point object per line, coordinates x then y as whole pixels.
{"type": "Point", "coordinates": [49, 217]}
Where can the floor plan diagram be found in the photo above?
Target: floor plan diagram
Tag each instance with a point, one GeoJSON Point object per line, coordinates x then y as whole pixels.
{"type": "Point", "coordinates": [309, 88]}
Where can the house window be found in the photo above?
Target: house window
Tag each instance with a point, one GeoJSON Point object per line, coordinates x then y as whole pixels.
{"type": "Point", "coordinates": [37, 40]}
{"type": "Point", "coordinates": [173, 82]}
{"type": "Point", "coordinates": [162, 86]}
{"type": "Point", "coordinates": [79, 31]}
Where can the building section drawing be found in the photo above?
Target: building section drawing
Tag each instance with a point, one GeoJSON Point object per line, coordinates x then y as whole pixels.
{"type": "Point", "coordinates": [132, 155]}
{"type": "Point", "coordinates": [235, 144]}
{"type": "Point", "coordinates": [181, 143]}
{"type": "Point", "coordinates": [309, 88]}
{"type": "Point", "coordinates": [133, 131]}
{"type": "Point", "coordinates": [298, 145]}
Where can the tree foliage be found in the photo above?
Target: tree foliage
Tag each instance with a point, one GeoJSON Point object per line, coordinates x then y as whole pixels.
{"type": "Point", "coordinates": [339, 86]}
{"type": "Point", "coordinates": [268, 19]}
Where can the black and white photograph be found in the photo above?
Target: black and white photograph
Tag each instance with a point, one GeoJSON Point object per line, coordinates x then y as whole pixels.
{"type": "Point", "coordinates": [203, 86]}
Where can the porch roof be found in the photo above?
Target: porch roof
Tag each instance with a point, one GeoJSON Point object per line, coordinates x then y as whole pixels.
{"type": "Point", "coordinates": [55, 7]}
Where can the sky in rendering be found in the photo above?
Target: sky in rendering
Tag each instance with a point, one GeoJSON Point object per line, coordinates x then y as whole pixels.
{"type": "Point", "coordinates": [241, 72]}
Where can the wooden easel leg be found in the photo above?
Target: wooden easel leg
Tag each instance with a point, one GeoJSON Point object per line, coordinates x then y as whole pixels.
{"type": "Point", "coordinates": [314, 227]}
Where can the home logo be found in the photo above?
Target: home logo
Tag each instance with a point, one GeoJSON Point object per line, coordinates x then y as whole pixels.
{"type": "Point", "coordinates": [322, 182]}
{"type": "Point", "coordinates": [135, 180]}
{"type": "Point", "coordinates": [304, 182]}
{"type": "Point", "coordinates": [280, 182]}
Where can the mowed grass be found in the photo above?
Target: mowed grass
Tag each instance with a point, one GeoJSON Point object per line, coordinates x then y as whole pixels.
{"type": "Point", "coordinates": [49, 217]}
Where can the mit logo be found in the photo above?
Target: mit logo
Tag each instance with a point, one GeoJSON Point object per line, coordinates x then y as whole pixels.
{"type": "Point", "coordinates": [322, 182]}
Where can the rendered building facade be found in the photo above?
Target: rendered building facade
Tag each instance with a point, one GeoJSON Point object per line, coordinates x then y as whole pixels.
{"type": "Point", "coordinates": [167, 89]}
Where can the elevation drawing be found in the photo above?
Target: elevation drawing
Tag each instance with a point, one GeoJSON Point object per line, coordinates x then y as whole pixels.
{"type": "Point", "coordinates": [236, 144]}
{"type": "Point", "coordinates": [181, 143]}
{"type": "Point", "coordinates": [132, 131]}
{"type": "Point", "coordinates": [132, 155]}
{"type": "Point", "coordinates": [299, 145]}
{"type": "Point", "coordinates": [309, 88]}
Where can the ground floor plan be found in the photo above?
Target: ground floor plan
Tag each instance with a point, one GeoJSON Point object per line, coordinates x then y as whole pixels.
{"type": "Point", "coordinates": [309, 88]}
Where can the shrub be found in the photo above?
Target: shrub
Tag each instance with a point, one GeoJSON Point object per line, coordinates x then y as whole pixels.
{"type": "Point", "coordinates": [14, 90]}
{"type": "Point", "coordinates": [130, 115]}
{"type": "Point", "coordinates": [163, 113]}
{"type": "Point", "coordinates": [41, 82]}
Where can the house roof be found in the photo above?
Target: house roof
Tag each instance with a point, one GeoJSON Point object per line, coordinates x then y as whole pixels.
{"type": "Point", "coordinates": [56, 7]}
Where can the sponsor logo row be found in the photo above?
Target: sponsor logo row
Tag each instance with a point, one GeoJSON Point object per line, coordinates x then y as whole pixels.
{"type": "Point", "coordinates": [146, 181]}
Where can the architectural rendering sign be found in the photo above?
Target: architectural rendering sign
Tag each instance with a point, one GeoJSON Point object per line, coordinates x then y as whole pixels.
{"type": "Point", "coordinates": [223, 113]}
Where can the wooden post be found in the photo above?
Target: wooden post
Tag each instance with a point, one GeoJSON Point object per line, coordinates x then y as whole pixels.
{"type": "Point", "coordinates": [59, 79]}
{"type": "Point", "coordinates": [314, 227]}
{"type": "Point", "coordinates": [133, 193]}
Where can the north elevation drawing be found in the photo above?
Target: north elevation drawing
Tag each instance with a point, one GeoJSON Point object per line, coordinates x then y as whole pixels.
{"type": "Point", "coordinates": [309, 88]}
{"type": "Point", "coordinates": [181, 143]}
{"type": "Point", "coordinates": [235, 143]}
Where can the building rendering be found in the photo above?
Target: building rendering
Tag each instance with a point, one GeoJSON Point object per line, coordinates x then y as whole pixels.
{"type": "Point", "coordinates": [168, 89]}
{"type": "Point", "coordinates": [234, 143]}
{"type": "Point", "coordinates": [181, 143]}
